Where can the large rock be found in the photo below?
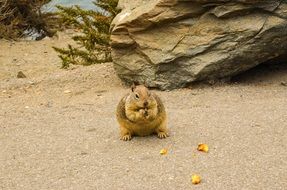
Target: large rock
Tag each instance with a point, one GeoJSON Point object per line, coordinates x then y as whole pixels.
{"type": "Point", "coordinates": [171, 43]}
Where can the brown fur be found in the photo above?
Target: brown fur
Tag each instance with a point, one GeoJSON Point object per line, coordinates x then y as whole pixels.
{"type": "Point", "coordinates": [141, 113]}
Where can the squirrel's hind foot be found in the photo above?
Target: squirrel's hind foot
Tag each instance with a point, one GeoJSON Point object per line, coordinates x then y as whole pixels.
{"type": "Point", "coordinates": [126, 137]}
{"type": "Point", "coordinates": [162, 135]}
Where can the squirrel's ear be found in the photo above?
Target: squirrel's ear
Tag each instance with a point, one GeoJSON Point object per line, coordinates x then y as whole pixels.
{"type": "Point", "coordinates": [135, 83]}
{"type": "Point", "coordinates": [133, 86]}
{"type": "Point", "coordinates": [145, 83]}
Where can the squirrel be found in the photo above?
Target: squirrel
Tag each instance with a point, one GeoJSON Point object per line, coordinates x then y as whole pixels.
{"type": "Point", "coordinates": [141, 113]}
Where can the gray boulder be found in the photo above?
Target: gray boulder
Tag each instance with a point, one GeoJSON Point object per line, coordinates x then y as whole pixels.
{"type": "Point", "coordinates": [170, 43]}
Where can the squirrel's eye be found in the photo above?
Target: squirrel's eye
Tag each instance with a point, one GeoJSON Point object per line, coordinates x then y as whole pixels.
{"type": "Point", "coordinates": [137, 96]}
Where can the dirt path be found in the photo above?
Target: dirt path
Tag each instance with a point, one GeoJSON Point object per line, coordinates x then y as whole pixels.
{"type": "Point", "coordinates": [51, 138]}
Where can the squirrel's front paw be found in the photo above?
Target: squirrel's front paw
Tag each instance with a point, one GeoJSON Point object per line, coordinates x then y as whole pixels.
{"type": "Point", "coordinates": [142, 112]}
{"type": "Point", "coordinates": [126, 137]}
{"type": "Point", "coordinates": [162, 135]}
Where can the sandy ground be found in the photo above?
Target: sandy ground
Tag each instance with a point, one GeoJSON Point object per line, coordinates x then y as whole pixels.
{"type": "Point", "coordinates": [50, 139]}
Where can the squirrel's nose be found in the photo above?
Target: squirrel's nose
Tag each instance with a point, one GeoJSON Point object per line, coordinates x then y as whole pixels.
{"type": "Point", "coordinates": [145, 103]}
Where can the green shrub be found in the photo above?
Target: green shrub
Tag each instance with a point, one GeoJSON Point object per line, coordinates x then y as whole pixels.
{"type": "Point", "coordinates": [93, 41]}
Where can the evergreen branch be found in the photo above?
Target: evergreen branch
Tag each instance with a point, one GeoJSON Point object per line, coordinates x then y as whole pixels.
{"type": "Point", "coordinates": [93, 43]}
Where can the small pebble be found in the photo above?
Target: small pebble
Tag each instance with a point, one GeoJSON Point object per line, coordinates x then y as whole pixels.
{"type": "Point", "coordinates": [67, 91]}
{"type": "Point", "coordinates": [20, 74]}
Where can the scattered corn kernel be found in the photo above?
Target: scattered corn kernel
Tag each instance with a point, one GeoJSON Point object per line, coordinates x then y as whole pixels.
{"type": "Point", "coordinates": [163, 151]}
{"type": "Point", "coordinates": [195, 179]}
{"type": "Point", "coordinates": [202, 147]}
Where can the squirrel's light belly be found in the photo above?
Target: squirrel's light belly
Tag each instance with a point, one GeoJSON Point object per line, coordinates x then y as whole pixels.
{"type": "Point", "coordinates": [144, 129]}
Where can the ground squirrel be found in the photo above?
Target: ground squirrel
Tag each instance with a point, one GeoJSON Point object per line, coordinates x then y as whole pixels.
{"type": "Point", "coordinates": [141, 113]}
